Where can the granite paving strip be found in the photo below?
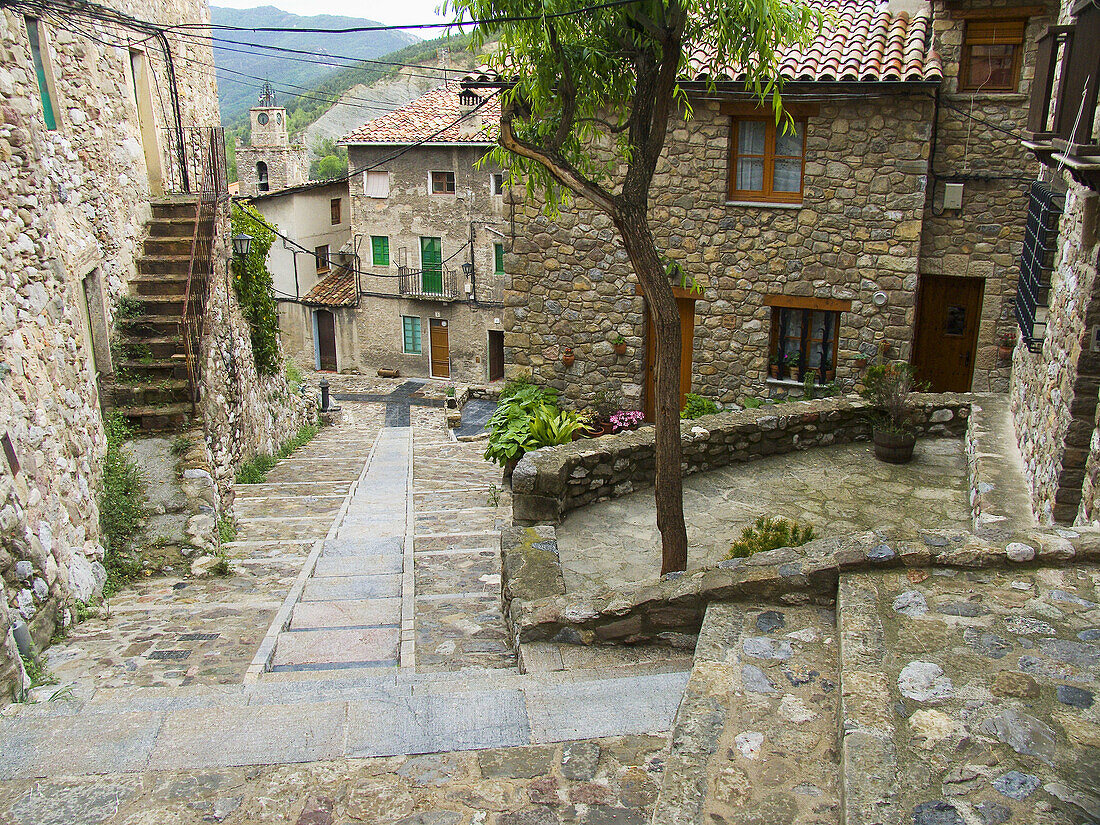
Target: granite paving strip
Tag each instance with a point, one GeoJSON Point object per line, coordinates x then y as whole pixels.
{"type": "Point", "coordinates": [350, 604]}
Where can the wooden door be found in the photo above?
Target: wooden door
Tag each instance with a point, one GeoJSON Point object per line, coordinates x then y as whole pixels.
{"type": "Point", "coordinates": [440, 350]}
{"type": "Point", "coordinates": [431, 266]}
{"type": "Point", "coordinates": [948, 315]}
{"type": "Point", "coordinates": [496, 355]}
{"type": "Point", "coordinates": [686, 306]}
{"type": "Point", "coordinates": [326, 340]}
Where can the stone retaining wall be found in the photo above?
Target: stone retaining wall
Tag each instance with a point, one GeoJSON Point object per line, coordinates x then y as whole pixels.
{"type": "Point", "coordinates": [550, 482]}
{"type": "Point", "coordinates": [670, 610]}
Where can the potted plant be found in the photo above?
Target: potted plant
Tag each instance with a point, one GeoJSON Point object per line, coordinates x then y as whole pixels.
{"type": "Point", "coordinates": [626, 420]}
{"type": "Point", "coordinates": [452, 402]}
{"type": "Point", "coordinates": [567, 356]}
{"type": "Point", "coordinates": [889, 387]}
{"type": "Point", "coordinates": [1007, 344]}
{"type": "Point", "coordinates": [619, 343]}
{"type": "Point", "coordinates": [603, 404]}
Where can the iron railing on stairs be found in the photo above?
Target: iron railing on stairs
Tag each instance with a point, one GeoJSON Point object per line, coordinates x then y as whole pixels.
{"type": "Point", "coordinates": [205, 178]}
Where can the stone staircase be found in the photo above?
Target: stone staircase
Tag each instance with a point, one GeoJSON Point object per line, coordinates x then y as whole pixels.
{"type": "Point", "coordinates": [151, 387]}
{"type": "Point", "coordinates": [943, 697]}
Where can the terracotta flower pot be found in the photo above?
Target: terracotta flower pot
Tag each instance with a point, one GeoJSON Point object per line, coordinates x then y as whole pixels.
{"type": "Point", "coordinates": [893, 448]}
{"type": "Point", "coordinates": [1004, 352]}
{"type": "Point", "coordinates": [568, 358]}
{"type": "Point", "coordinates": [620, 349]}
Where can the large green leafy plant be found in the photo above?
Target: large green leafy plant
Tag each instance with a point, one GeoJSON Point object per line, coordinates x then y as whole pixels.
{"type": "Point", "coordinates": [255, 289]}
{"type": "Point", "coordinates": [590, 93]}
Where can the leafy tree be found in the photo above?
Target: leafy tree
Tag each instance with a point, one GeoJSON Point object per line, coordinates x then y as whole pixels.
{"type": "Point", "coordinates": [331, 160]}
{"type": "Point", "coordinates": [586, 114]}
{"type": "Point", "coordinates": [255, 290]}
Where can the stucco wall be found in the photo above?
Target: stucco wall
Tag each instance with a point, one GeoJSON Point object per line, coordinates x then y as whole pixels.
{"type": "Point", "coordinates": [856, 232]}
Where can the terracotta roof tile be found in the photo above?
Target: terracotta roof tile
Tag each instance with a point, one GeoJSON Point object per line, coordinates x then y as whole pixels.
{"type": "Point", "coordinates": [427, 115]}
{"type": "Point", "coordinates": [337, 289]}
{"type": "Point", "coordinates": [860, 40]}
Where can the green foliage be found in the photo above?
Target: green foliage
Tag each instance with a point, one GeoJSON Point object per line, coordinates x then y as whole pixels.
{"type": "Point", "coordinates": [256, 469]}
{"type": "Point", "coordinates": [494, 497]}
{"type": "Point", "coordinates": [221, 568]}
{"type": "Point", "coordinates": [82, 611]}
{"type": "Point", "coordinates": [331, 160]}
{"type": "Point", "coordinates": [550, 426]}
{"type": "Point", "coordinates": [293, 377]}
{"type": "Point", "coordinates": [509, 426]}
{"type": "Point", "coordinates": [180, 445]}
{"type": "Point", "coordinates": [770, 534]}
{"type": "Point", "coordinates": [255, 290]}
{"type": "Point", "coordinates": [128, 308]}
{"type": "Point", "coordinates": [227, 530]}
{"type": "Point", "coordinates": [37, 672]}
{"type": "Point", "coordinates": [121, 506]}
{"type": "Point", "coordinates": [696, 406]}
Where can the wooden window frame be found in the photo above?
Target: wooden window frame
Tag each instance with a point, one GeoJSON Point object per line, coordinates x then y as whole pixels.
{"type": "Point", "coordinates": [498, 258]}
{"type": "Point", "coordinates": [807, 306]}
{"type": "Point", "coordinates": [447, 178]}
{"type": "Point", "coordinates": [324, 264]}
{"type": "Point", "coordinates": [496, 183]}
{"type": "Point", "coordinates": [335, 211]}
{"type": "Point", "coordinates": [385, 250]}
{"type": "Point", "coordinates": [419, 335]}
{"type": "Point", "coordinates": [740, 114]}
{"type": "Point", "coordinates": [968, 45]}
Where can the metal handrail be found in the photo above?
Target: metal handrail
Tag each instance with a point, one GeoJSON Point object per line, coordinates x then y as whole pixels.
{"type": "Point", "coordinates": [414, 283]}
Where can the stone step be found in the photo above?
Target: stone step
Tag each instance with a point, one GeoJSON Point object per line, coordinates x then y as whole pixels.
{"type": "Point", "coordinates": [160, 283]}
{"type": "Point", "coordinates": [160, 305]}
{"type": "Point", "coordinates": [342, 588]}
{"type": "Point", "coordinates": [358, 565]}
{"type": "Point", "coordinates": [165, 417]}
{"type": "Point", "coordinates": [151, 265]}
{"type": "Point", "coordinates": [970, 696]}
{"type": "Point", "coordinates": [999, 497]}
{"type": "Point", "coordinates": [363, 546]}
{"type": "Point", "coordinates": [167, 246]}
{"type": "Point", "coordinates": [160, 346]}
{"type": "Point", "coordinates": [152, 326]}
{"type": "Point", "coordinates": [755, 738]}
{"type": "Point", "coordinates": [174, 209]}
{"type": "Point", "coordinates": [347, 613]}
{"type": "Point", "coordinates": [171, 227]}
{"type": "Point", "coordinates": [156, 369]}
{"type": "Point", "coordinates": [158, 394]}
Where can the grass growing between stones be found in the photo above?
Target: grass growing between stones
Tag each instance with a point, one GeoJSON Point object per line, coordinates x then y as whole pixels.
{"type": "Point", "coordinates": [255, 471]}
{"type": "Point", "coordinates": [227, 530]}
{"type": "Point", "coordinates": [121, 507]}
{"type": "Point", "coordinates": [770, 534]}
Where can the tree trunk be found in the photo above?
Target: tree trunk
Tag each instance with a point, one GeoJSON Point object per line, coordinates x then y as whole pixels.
{"type": "Point", "coordinates": [633, 225]}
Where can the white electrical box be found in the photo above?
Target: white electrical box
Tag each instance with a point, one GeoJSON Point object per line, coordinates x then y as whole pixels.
{"type": "Point", "coordinates": [952, 196]}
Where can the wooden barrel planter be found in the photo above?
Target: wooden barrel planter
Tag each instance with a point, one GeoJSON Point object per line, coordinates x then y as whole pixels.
{"type": "Point", "coordinates": [893, 448]}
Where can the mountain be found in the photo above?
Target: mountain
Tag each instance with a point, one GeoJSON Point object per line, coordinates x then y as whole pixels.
{"type": "Point", "coordinates": [286, 71]}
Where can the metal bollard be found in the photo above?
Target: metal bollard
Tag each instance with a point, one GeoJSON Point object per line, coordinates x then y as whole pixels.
{"type": "Point", "coordinates": [324, 395]}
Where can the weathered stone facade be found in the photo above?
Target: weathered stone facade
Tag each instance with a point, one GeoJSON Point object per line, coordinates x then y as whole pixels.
{"type": "Point", "coordinates": [75, 201]}
{"type": "Point", "coordinates": [283, 164]}
{"type": "Point", "coordinates": [469, 222]}
{"type": "Point", "coordinates": [871, 220]}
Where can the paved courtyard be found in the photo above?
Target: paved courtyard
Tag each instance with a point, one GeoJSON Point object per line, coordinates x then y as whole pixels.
{"type": "Point", "coordinates": [839, 490]}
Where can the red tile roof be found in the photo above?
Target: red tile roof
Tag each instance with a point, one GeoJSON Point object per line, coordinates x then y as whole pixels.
{"type": "Point", "coordinates": [337, 289]}
{"type": "Point", "coordinates": [859, 41]}
{"type": "Point", "coordinates": [431, 119]}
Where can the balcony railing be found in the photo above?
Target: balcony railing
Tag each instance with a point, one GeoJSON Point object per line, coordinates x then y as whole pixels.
{"type": "Point", "coordinates": [1062, 117]}
{"type": "Point", "coordinates": [433, 284]}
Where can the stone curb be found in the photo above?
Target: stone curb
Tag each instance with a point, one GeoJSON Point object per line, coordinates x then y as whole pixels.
{"type": "Point", "coordinates": [553, 481]}
{"type": "Point", "coordinates": [670, 611]}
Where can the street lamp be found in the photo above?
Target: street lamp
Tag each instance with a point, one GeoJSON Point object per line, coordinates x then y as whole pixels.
{"type": "Point", "coordinates": [242, 244]}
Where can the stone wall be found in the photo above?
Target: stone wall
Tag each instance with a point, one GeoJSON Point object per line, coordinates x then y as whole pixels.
{"type": "Point", "coordinates": [977, 144]}
{"type": "Point", "coordinates": [286, 166]}
{"type": "Point", "coordinates": [858, 231]}
{"type": "Point", "coordinates": [553, 481]}
{"type": "Point", "coordinates": [1054, 392]}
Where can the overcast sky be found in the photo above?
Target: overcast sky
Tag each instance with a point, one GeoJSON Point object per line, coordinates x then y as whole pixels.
{"type": "Point", "coordinates": [384, 11]}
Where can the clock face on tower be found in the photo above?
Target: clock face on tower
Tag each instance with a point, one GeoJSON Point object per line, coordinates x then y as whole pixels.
{"type": "Point", "coordinates": [261, 118]}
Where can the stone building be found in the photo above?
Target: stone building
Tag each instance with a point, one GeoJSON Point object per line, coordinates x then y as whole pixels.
{"type": "Point", "coordinates": [1056, 364]}
{"type": "Point", "coordinates": [108, 134]}
{"type": "Point", "coordinates": [428, 231]}
{"type": "Point", "coordinates": [891, 215]}
{"type": "Point", "coordinates": [270, 162]}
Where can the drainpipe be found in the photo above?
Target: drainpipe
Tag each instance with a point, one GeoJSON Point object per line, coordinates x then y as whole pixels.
{"type": "Point", "coordinates": [473, 267]}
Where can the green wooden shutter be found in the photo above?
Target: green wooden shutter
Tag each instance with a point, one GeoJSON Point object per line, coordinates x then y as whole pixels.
{"type": "Point", "coordinates": [40, 71]}
{"type": "Point", "coordinates": [431, 263]}
{"type": "Point", "coordinates": [380, 250]}
{"type": "Point", "coordinates": [498, 256]}
{"type": "Point", "coordinates": [411, 330]}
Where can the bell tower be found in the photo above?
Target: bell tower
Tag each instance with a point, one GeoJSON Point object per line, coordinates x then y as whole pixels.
{"type": "Point", "coordinates": [270, 162]}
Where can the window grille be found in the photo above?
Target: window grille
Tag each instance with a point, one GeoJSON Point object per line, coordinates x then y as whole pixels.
{"type": "Point", "coordinates": [1045, 207]}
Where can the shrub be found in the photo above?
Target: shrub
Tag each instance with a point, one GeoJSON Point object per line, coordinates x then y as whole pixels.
{"type": "Point", "coordinates": [255, 289]}
{"type": "Point", "coordinates": [550, 426]}
{"type": "Point", "coordinates": [770, 534]}
{"type": "Point", "coordinates": [293, 377]}
{"type": "Point", "coordinates": [509, 426]}
{"type": "Point", "coordinates": [696, 406]}
{"type": "Point", "coordinates": [626, 420]}
{"type": "Point", "coordinates": [889, 387]}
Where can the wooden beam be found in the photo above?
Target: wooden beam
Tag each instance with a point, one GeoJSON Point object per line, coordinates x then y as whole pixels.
{"type": "Point", "coordinates": [800, 302]}
{"type": "Point", "coordinates": [678, 291]}
{"type": "Point", "coordinates": [1007, 13]}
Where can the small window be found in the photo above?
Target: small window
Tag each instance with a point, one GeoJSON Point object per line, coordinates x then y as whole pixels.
{"type": "Point", "coordinates": [410, 327]}
{"type": "Point", "coordinates": [334, 211]}
{"type": "Point", "coordinates": [991, 56]}
{"type": "Point", "coordinates": [380, 250]}
{"type": "Point", "coordinates": [498, 257]}
{"type": "Point", "coordinates": [803, 340]}
{"type": "Point", "coordinates": [45, 80]}
{"type": "Point", "coordinates": [376, 184]}
{"type": "Point", "coordinates": [766, 160]}
{"type": "Point", "coordinates": [261, 177]}
{"type": "Point", "coordinates": [443, 183]}
{"type": "Point", "coordinates": [497, 183]}
{"type": "Point", "coordinates": [321, 254]}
